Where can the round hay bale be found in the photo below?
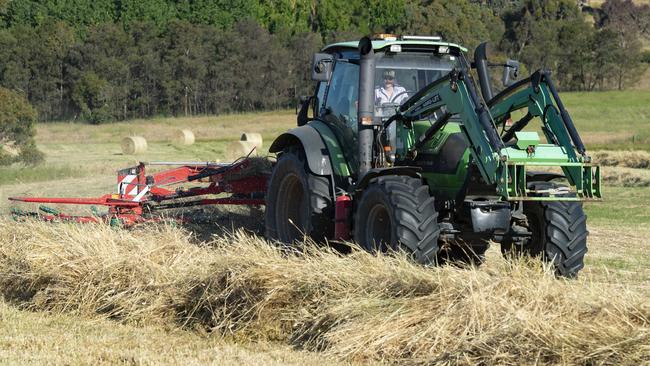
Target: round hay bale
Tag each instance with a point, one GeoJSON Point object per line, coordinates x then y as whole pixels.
{"type": "Point", "coordinates": [10, 149]}
{"type": "Point", "coordinates": [255, 138]}
{"type": "Point", "coordinates": [183, 137]}
{"type": "Point", "coordinates": [238, 149]}
{"type": "Point", "coordinates": [134, 145]}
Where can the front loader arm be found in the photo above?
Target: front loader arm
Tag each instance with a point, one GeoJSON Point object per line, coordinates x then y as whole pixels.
{"type": "Point", "coordinates": [538, 96]}
{"type": "Point", "coordinates": [500, 164]}
{"type": "Point", "coordinates": [455, 94]}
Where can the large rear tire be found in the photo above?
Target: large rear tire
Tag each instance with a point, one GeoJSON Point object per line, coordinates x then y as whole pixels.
{"type": "Point", "coordinates": [559, 235]}
{"type": "Point", "coordinates": [298, 203]}
{"type": "Point", "coordinates": [397, 213]}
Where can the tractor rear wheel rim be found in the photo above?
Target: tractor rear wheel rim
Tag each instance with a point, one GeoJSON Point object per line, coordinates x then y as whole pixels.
{"type": "Point", "coordinates": [379, 228]}
{"type": "Point", "coordinates": [290, 213]}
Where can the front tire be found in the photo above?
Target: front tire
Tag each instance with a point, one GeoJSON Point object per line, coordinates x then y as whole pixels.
{"type": "Point", "coordinates": [298, 203]}
{"type": "Point", "coordinates": [559, 235]}
{"type": "Point", "coordinates": [397, 213]}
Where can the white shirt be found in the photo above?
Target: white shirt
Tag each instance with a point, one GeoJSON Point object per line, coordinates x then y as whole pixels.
{"type": "Point", "coordinates": [381, 95]}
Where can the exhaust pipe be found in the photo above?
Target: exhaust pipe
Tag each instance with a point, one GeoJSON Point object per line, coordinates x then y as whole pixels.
{"type": "Point", "coordinates": [366, 108]}
{"type": "Point", "coordinates": [481, 64]}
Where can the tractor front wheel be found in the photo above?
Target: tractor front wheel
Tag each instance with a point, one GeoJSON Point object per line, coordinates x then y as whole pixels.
{"type": "Point", "coordinates": [298, 203]}
{"type": "Point", "coordinates": [397, 213]}
{"type": "Point", "coordinates": [558, 235]}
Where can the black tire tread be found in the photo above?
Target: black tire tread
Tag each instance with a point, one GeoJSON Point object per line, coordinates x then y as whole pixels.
{"type": "Point", "coordinates": [320, 226]}
{"type": "Point", "coordinates": [414, 213]}
{"type": "Point", "coordinates": [566, 233]}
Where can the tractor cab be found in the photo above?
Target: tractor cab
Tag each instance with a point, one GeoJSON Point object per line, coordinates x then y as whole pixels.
{"type": "Point", "coordinates": [403, 65]}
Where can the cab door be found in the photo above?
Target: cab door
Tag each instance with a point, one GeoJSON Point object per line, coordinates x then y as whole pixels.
{"type": "Point", "coordinates": [339, 108]}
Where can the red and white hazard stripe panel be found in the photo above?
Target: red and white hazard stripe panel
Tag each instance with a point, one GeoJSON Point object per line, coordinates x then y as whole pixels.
{"type": "Point", "coordinates": [128, 186]}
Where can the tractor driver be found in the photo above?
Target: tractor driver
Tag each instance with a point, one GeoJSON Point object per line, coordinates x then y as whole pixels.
{"type": "Point", "coordinates": [390, 92]}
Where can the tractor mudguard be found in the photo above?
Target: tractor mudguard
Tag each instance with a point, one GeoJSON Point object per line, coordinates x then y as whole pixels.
{"type": "Point", "coordinates": [322, 149]}
{"type": "Point", "coordinates": [312, 144]}
{"type": "Point", "coordinates": [411, 171]}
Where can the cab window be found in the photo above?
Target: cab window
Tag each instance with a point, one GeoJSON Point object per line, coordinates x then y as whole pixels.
{"type": "Point", "coordinates": [340, 108]}
{"type": "Point", "coordinates": [342, 95]}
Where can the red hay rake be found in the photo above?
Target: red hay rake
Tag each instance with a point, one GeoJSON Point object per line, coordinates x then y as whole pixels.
{"type": "Point", "coordinates": [139, 195]}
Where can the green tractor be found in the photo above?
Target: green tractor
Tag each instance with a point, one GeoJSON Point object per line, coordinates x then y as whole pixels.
{"type": "Point", "coordinates": [398, 149]}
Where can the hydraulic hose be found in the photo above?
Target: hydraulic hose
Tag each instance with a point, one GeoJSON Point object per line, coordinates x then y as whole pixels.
{"type": "Point", "coordinates": [435, 127]}
{"type": "Point", "coordinates": [518, 126]}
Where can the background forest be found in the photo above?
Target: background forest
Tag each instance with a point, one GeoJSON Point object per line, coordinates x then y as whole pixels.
{"type": "Point", "coordinates": [107, 60]}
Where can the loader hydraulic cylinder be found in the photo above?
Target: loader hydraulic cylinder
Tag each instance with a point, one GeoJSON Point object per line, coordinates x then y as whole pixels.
{"type": "Point", "coordinates": [568, 122]}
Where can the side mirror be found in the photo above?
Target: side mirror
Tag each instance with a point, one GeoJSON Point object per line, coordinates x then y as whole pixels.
{"type": "Point", "coordinates": [510, 72]}
{"type": "Point", "coordinates": [322, 67]}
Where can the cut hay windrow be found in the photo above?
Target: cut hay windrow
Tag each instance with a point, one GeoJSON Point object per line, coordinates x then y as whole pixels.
{"type": "Point", "coordinates": [629, 159]}
{"type": "Point", "coordinates": [255, 166]}
{"type": "Point", "coordinates": [357, 307]}
{"type": "Point", "coordinates": [625, 177]}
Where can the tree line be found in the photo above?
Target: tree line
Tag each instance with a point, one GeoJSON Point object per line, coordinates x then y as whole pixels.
{"type": "Point", "coordinates": [111, 60]}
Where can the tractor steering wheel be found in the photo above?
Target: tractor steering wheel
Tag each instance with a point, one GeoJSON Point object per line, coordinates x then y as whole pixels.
{"type": "Point", "coordinates": [407, 92]}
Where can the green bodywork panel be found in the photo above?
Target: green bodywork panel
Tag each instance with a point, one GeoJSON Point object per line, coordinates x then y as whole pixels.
{"type": "Point", "coordinates": [526, 139]}
{"type": "Point", "coordinates": [340, 166]}
{"type": "Point", "coordinates": [445, 185]}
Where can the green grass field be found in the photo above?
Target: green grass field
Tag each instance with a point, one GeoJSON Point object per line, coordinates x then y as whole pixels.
{"type": "Point", "coordinates": [81, 160]}
{"type": "Point", "coordinates": [611, 120]}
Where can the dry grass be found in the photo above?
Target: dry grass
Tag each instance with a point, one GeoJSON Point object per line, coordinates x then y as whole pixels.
{"type": "Point", "coordinates": [600, 138]}
{"type": "Point", "coordinates": [29, 338]}
{"type": "Point", "coordinates": [625, 177]}
{"type": "Point", "coordinates": [354, 308]}
{"type": "Point", "coordinates": [599, 3]}
{"type": "Point", "coordinates": [624, 168]}
{"type": "Point", "coordinates": [205, 128]}
{"type": "Point", "coordinates": [618, 256]}
{"type": "Point", "coordinates": [644, 82]}
{"type": "Point", "coordinates": [629, 159]}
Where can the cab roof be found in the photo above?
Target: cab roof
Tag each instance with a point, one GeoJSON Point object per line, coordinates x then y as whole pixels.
{"type": "Point", "coordinates": [380, 44]}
